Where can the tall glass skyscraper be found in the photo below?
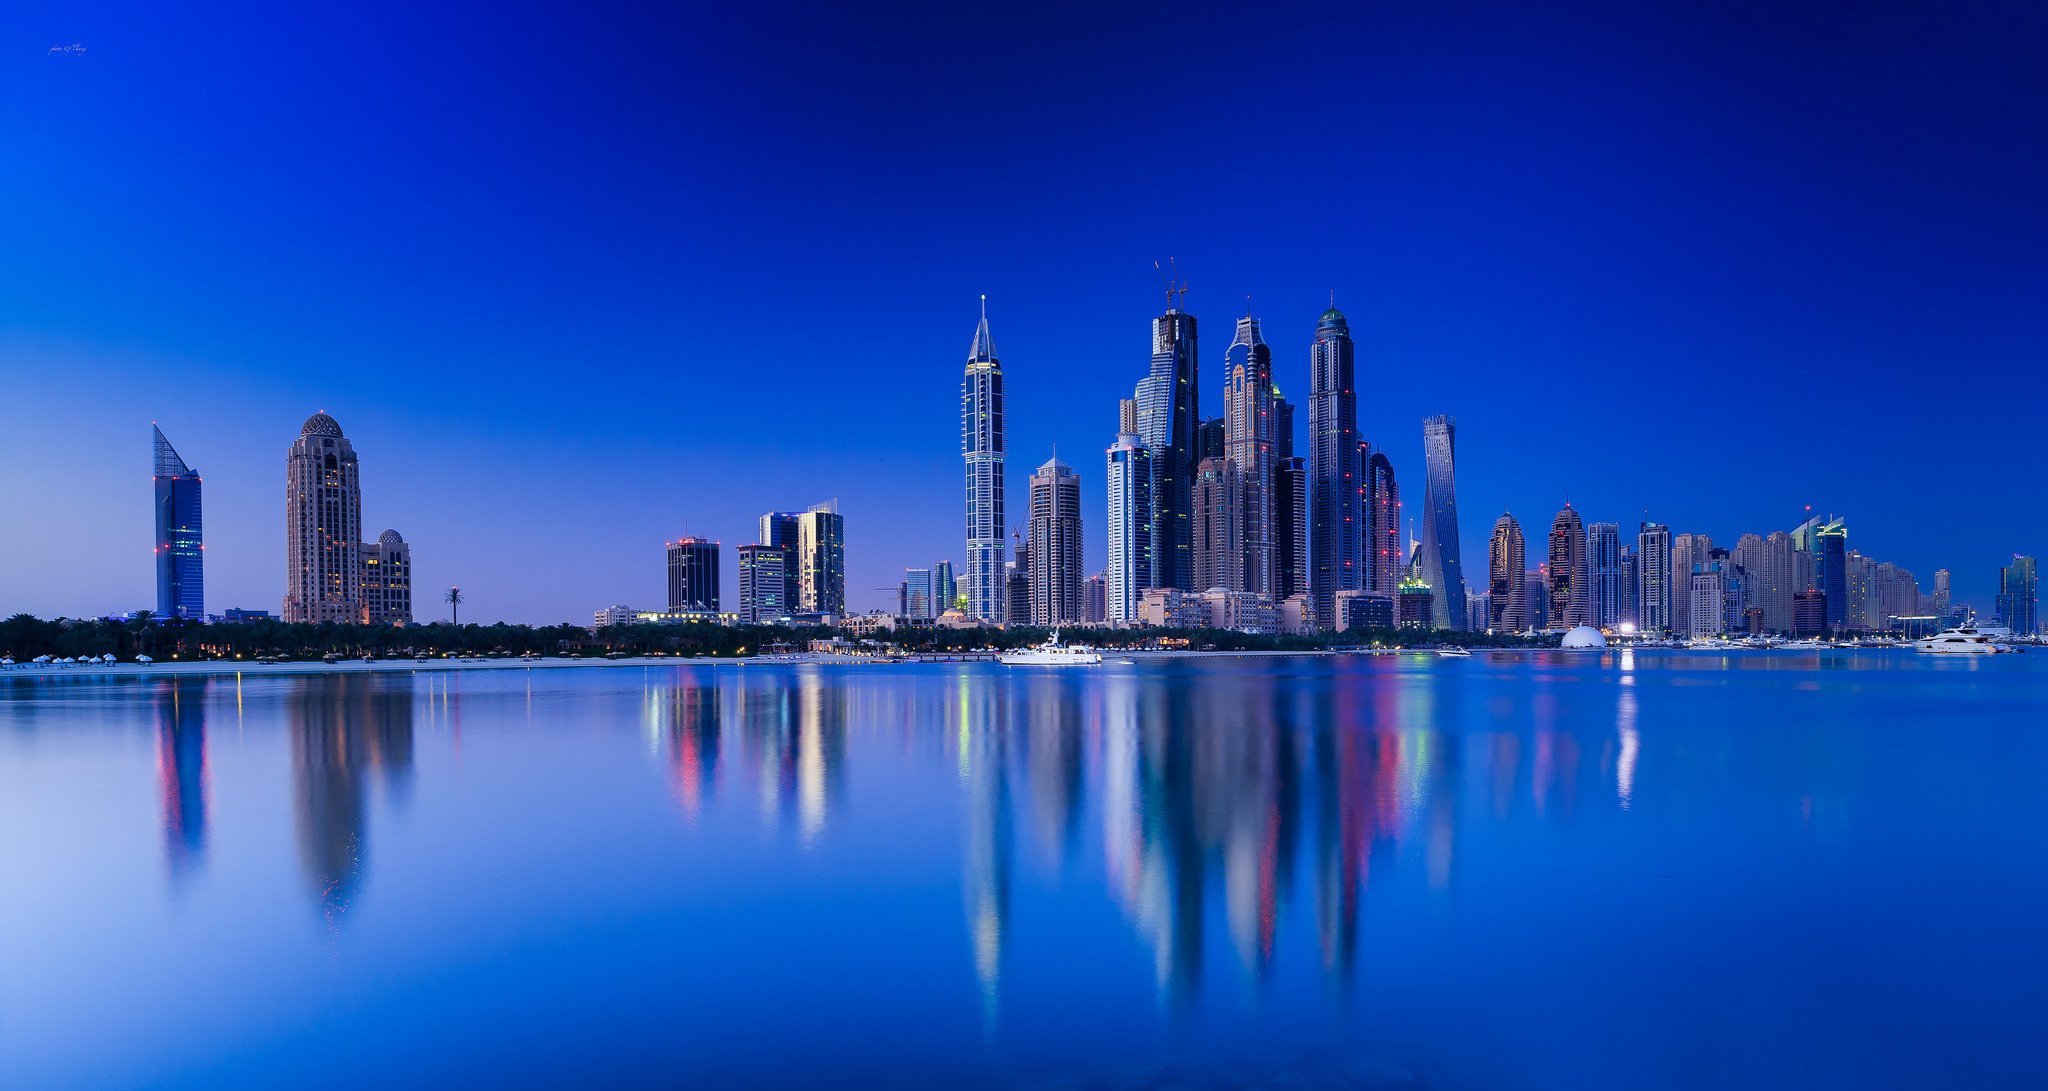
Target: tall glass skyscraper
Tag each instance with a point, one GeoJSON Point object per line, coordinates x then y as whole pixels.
{"type": "Point", "coordinates": [1507, 596]}
{"type": "Point", "coordinates": [1055, 578]}
{"type": "Point", "coordinates": [1168, 412]}
{"type": "Point", "coordinates": [1130, 526]}
{"type": "Point", "coordinates": [1442, 567]}
{"type": "Point", "coordinates": [1337, 523]}
{"type": "Point", "coordinates": [821, 560]}
{"type": "Point", "coordinates": [180, 541]}
{"type": "Point", "coordinates": [2019, 596]}
{"type": "Point", "coordinates": [981, 444]}
{"type": "Point", "coordinates": [779, 529]}
{"type": "Point", "coordinates": [693, 575]}
{"type": "Point", "coordinates": [1249, 441]}
{"type": "Point", "coordinates": [945, 589]}
{"type": "Point", "coordinates": [1603, 567]}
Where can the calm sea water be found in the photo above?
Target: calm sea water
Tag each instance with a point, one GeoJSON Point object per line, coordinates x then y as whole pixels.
{"type": "Point", "coordinates": [1663, 870]}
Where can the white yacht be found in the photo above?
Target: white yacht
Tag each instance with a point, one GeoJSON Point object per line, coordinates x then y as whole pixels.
{"type": "Point", "coordinates": [1962, 640]}
{"type": "Point", "coordinates": [1452, 651]}
{"type": "Point", "coordinates": [1052, 653]}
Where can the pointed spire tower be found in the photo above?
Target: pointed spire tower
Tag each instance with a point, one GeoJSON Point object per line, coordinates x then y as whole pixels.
{"type": "Point", "coordinates": [981, 445]}
{"type": "Point", "coordinates": [168, 464]}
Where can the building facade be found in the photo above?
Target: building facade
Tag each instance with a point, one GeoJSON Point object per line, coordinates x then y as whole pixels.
{"type": "Point", "coordinates": [779, 529]}
{"type": "Point", "coordinates": [1336, 517]}
{"type": "Point", "coordinates": [764, 584]}
{"type": "Point", "coordinates": [180, 536]}
{"type": "Point", "coordinates": [1603, 569]}
{"type": "Point", "coordinates": [2019, 596]}
{"type": "Point", "coordinates": [693, 575]}
{"type": "Point", "coordinates": [1167, 413]}
{"type": "Point", "coordinates": [1129, 490]}
{"type": "Point", "coordinates": [1441, 565]}
{"type": "Point", "coordinates": [945, 587]}
{"type": "Point", "coordinates": [1571, 599]}
{"type": "Point", "coordinates": [387, 580]}
{"type": "Point", "coordinates": [982, 445]}
{"type": "Point", "coordinates": [1056, 546]}
{"type": "Point", "coordinates": [1687, 552]}
{"type": "Point", "coordinates": [1216, 526]}
{"type": "Point", "coordinates": [1507, 582]}
{"type": "Point", "coordinates": [1383, 561]}
{"type": "Point", "coordinates": [821, 560]}
{"type": "Point", "coordinates": [1249, 439]}
{"type": "Point", "coordinates": [1653, 578]}
{"type": "Point", "coordinates": [917, 594]}
{"type": "Point", "coordinates": [323, 506]}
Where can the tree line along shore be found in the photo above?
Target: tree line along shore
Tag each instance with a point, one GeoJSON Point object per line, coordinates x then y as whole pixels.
{"type": "Point", "coordinates": [24, 637]}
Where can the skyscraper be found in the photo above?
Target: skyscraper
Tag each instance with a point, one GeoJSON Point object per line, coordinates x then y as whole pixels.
{"type": "Point", "coordinates": [1688, 551]}
{"type": "Point", "coordinates": [917, 593]}
{"type": "Point", "coordinates": [1506, 590]}
{"type": "Point", "coordinates": [1216, 526]}
{"type": "Point", "coordinates": [1603, 566]}
{"type": "Point", "coordinates": [764, 583]}
{"type": "Point", "coordinates": [779, 529]}
{"type": "Point", "coordinates": [1168, 412]}
{"type": "Point", "coordinates": [1570, 596]}
{"type": "Point", "coordinates": [1653, 578]}
{"type": "Point", "coordinates": [821, 560]}
{"type": "Point", "coordinates": [981, 444]}
{"type": "Point", "coordinates": [323, 515]}
{"type": "Point", "coordinates": [1441, 567]}
{"type": "Point", "coordinates": [2019, 596]}
{"type": "Point", "coordinates": [1831, 556]}
{"type": "Point", "coordinates": [1382, 539]}
{"type": "Point", "coordinates": [1777, 580]}
{"type": "Point", "coordinates": [1290, 528]}
{"type": "Point", "coordinates": [1129, 490]}
{"type": "Point", "coordinates": [1337, 525]}
{"type": "Point", "coordinates": [1017, 583]}
{"type": "Point", "coordinates": [692, 575]}
{"type": "Point", "coordinates": [1249, 439]}
{"type": "Point", "coordinates": [1056, 545]}
{"type": "Point", "coordinates": [1631, 587]}
{"type": "Point", "coordinates": [1943, 595]}
{"type": "Point", "coordinates": [180, 539]}
{"type": "Point", "coordinates": [945, 588]}
{"type": "Point", "coordinates": [387, 580]}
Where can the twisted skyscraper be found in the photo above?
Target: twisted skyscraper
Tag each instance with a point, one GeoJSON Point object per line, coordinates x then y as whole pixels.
{"type": "Point", "coordinates": [1441, 565]}
{"type": "Point", "coordinates": [1248, 407]}
{"type": "Point", "coordinates": [981, 444]}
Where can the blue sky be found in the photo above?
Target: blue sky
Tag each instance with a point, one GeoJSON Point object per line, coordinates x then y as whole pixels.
{"type": "Point", "coordinates": [577, 280]}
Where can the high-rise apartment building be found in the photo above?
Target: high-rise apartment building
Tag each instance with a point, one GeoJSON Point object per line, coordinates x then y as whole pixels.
{"type": "Point", "coordinates": [1095, 599]}
{"type": "Point", "coordinates": [1631, 587]}
{"type": "Point", "coordinates": [693, 575]}
{"type": "Point", "coordinates": [1018, 582]}
{"type": "Point", "coordinates": [821, 560]}
{"type": "Point", "coordinates": [1507, 584]}
{"type": "Point", "coordinates": [1290, 528]}
{"type": "Point", "coordinates": [1337, 526]}
{"type": "Point", "coordinates": [1570, 597]}
{"type": "Point", "coordinates": [764, 584]}
{"type": "Point", "coordinates": [1129, 490]}
{"type": "Point", "coordinates": [387, 580]}
{"type": "Point", "coordinates": [2019, 596]}
{"type": "Point", "coordinates": [1056, 545]}
{"type": "Point", "coordinates": [323, 505]}
{"type": "Point", "coordinates": [1603, 567]}
{"type": "Point", "coordinates": [1249, 446]}
{"type": "Point", "coordinates": [1216, 526]}
{"type": "Point", "coordinates": [1777, 579]}
{"type": "Point", "coordinates": [1706, 613]}
{"type": "Point", "coordinates": [1944, 595]}
{"type": "Point", "coordinates": [1687, 551]}
{"type": "Point", "coordinates": [982, 445]}
{"type": "Point", "coordinates": [180, 538]}
{"type": "Point", "coordinates": [1441, 565]}
{"type": "Point", "coordinates": [1653, 575]}
{"type": "Point", "coordinates": [1383, 562]}
{"type": "Point", "coordinates": [1168, 411]}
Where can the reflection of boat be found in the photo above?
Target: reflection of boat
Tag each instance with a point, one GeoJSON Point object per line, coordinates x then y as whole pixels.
{"type": "Point", "coordinates": [1052, 653]}
{"type": "Point", "coordinates": [1451, 651]}
{"type": "Point", "coordinates": [1959, 641]}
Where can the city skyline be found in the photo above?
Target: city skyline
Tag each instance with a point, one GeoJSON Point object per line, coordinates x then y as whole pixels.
{"type": "Point", "coordinates": [1748, 213]}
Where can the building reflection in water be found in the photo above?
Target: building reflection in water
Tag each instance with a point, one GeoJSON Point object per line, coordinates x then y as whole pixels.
{"type": "Point", "coordinates": [983, 732]}
{"type": "Point", "coordinates": [181, 771]}
{"type": "Point", "coordinates": [348, 731]}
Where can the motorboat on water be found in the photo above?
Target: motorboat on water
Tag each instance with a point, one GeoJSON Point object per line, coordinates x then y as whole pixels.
{"type": "Point", "coordinates": [1962, 640]}
{"type": "Point", "coordinates": [1452, 651]}
{"type": "Point", "coordinates": [1052, 653]}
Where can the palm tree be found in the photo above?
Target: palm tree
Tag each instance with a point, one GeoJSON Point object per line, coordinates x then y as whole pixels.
{"type": "Point", "coordinates": [454, 600]}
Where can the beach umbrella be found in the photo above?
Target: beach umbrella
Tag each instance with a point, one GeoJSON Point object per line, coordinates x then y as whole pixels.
{"type": "Point", "coordinates": [107, 658]}
{"type": "Point", "coordinates": [140, 659]}
{"type": "Point", "coordinates": [42, 659]}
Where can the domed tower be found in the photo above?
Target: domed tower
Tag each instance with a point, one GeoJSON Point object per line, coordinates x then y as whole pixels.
{"type": "Point", "coordinates": [387, 580]}
{"type": "Point", "coordinates": [323, 533]}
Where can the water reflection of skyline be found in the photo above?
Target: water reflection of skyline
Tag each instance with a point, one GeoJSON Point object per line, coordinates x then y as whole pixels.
{"type": "Point", "coordinates": [1223, 805]}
